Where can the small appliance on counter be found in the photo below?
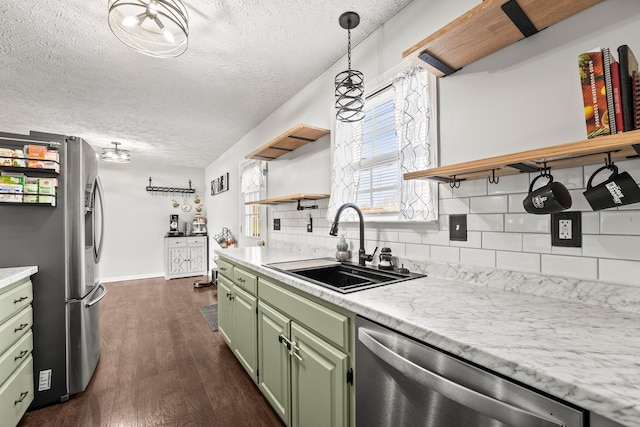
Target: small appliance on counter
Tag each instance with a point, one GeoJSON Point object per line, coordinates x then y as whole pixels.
{"type": "Point", "coordinates": [386, 259]}
{"type": "Point", "coordinates": [174, 223]}
{"type": "Point", "coordinates": [199, 226]}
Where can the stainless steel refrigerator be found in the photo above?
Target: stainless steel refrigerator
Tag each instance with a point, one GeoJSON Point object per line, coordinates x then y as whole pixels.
{"type": "Point", "coordinates": [65, 242]}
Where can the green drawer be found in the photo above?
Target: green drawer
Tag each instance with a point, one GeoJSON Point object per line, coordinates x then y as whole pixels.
{"type": "Point", "coordinates": [322, 320]}
{"type": "Point", "coordinates": [14, 328]}
{"type": "Point", "coordinates": [15, 299]}
{"type": "Point", "coordinates": [17, 393]}
{"type": "Point", "coordinates": [12, 358]}
{"type": "Point", "coordinates": [225, 268]}
{"type": "Point", "coordinates": [246, 280]}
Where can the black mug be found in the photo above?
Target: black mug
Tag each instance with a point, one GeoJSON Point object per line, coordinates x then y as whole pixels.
{"type": "Point", "coordinates": [617, 190]}
{"type": "Point", "coordinates": [551, 198]}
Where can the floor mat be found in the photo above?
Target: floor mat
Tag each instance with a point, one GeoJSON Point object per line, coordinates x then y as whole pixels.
{"type": "Point", "coordinates": [210, 313]}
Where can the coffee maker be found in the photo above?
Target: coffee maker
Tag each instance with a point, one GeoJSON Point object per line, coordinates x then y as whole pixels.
{"type": "Point", "coordinates": [174, 223]}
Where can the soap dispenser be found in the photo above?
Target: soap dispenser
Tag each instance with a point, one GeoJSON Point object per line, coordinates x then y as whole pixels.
{"type": "Point", "coordinates": [343, 253]}
{"type": "Point", "coordinates": [386, 259]}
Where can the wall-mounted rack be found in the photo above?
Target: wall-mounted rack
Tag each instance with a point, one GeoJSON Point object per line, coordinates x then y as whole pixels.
{"type": "Point", "coordinates": [580, 153]}
{"type": "Point", "coordinates": [487, 28]}
{"type": "Point", "coordinates": [297, 197]}
{"type": "Point", "coordinates": [153, 189]}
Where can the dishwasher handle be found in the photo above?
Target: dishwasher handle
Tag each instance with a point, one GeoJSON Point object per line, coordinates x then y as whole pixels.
{"type": "Point", "coordinates": [472, 399]}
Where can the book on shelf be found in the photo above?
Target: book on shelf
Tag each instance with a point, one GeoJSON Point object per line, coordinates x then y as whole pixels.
{"type": "Point", "coordinates": [609, 117]}
{"type": "Point", "coordinates": [617, 100]}
{"type": "Point", "coordinates": [594, 93]}
{"type": "Point", "coordinates": [628, 65]}
{"type": "Point", "coordinates": [636, 98]}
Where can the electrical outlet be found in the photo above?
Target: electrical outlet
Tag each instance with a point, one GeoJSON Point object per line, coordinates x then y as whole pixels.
{"type": "Point", "coordinates": [276, 224]}
{"type": "Point", "coordinates": [458, 227]}
{"type": "Point", "coordinates": [566, 229]}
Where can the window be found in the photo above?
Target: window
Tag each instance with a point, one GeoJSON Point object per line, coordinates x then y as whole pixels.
{"type": "Point", "coordinates": [252, 183]}
{"type": "Point", "coordinates": [378, 187]}
{"type": "Point", "coordinates": [371, 156]}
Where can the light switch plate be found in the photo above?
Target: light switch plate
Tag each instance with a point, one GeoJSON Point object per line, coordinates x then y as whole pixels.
{"type": "Point", "coordinates": [566, 229]}
{"type": "Point", "coordinates": [458, 227]}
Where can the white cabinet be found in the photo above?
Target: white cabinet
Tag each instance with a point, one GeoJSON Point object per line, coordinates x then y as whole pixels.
{"type": "Point", "coordinates": [185, 256]}
{"type": "Point", "coordinates": [16, 345]}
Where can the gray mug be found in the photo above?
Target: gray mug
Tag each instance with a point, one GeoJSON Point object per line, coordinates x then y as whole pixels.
{"type": "Point", "coordinates": [551, 198]}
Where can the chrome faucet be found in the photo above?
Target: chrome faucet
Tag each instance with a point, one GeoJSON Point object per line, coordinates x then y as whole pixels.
{"type": "Point", "coordinates": [362, 256]}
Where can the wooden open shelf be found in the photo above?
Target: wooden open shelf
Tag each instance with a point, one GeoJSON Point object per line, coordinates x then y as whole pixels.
{"type": "Point", "coordinates": [486, 29]}
{"type": "Point", "coordinates": [292, 139]}
{"type": "Point", "coordinates": [587, 152]}
{"type": "Point", "coordinates": [289, 198]}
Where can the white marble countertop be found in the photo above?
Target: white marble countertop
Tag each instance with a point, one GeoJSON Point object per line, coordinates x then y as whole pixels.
{"type": "Point", "coordinates": [11, 275]}
{"type": "Point", "coordinates": [584, 354]}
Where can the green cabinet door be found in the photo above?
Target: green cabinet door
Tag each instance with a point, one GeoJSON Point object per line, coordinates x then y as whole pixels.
{"type": "Point", "coordinates": [273, 360]}
{"type": "Point", "coordinates": [319, 389]}
{"type": "Point", "coordinates": [224, 308]}
{"type": "Point", "coordinates": [245, 330]}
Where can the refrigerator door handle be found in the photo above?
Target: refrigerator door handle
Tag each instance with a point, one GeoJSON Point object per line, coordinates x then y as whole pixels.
{"type": "Point", "coordinates": [94, 301]}
{"type": "Point", "coordinates": [97, 246]}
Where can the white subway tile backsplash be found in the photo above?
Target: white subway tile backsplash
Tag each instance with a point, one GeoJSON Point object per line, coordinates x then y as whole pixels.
{"type": "Point", "coordinates": [417, 252]}
{"type": "Point", "coordinates": [610, 246]}
{"type": "Point", "coordinates": [570, 266]}
{"type": "Point", "coordinates": [515, 202]}
{"type": "Point", "coordinates": [527, 223]}
{"type": "Point", "coordinates": [443, 222]}
{"type": "Point", "coordinates": [440, 238]}
{"type": "Point", "coordinates": [590, 222]}
{"type": "Point", "coordinates": [409, 237]}
{"type": "Point", "coordinates": [565, 250]}
{"type": "Point", "coordinates": [518, 183]}
{"type": "Point", "coordinates": [478, 257]}
{"type": "Point", "coordinates": [538, 243]}
{"type": "Point", "coordinates": [572, 178]}
{"type": "Point", "coordinates": [579, 202]}
{"type": "Point", "coordinates": [502, 241]}
{"type": "Point", "coordinates": [474, 187]}
{"type": "Point", "coordinates": [454, 206]}
{"type": "Point", "coordinates": [518, 261]}
{"type": "Point", "coordinates": [617, 271]}
{"type": "Point", "coordinates": [485, 222]}
{"type": "Point", "coordinates": [474, 240]}
{"type": "Point", "coordinates": [489, 204]}
{"type": "Point", "coordinates": [397, 249]}
{"type": "Point", "coordinates": [620, 222]}
{"type": "Point", "coordinates": [445, 254]}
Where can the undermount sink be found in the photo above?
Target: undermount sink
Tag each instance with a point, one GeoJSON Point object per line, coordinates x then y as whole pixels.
{"type": "Point", "coordinates": [342, 277]}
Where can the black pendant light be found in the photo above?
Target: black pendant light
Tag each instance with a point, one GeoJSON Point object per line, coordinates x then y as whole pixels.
{"type": "Point", "coordinates": [350, 83]}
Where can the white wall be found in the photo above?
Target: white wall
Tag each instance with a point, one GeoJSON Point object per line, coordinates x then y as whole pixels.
{"type": "Point", "coordinates": [136, 221]}
{"type": "Point", "coordinates": [522, 97]}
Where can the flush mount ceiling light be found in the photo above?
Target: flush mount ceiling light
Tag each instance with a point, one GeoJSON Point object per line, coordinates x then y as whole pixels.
{"type": "Point", "coordinates": [350, 83]}
{"type": "Point", "coordinates": [115, 155]}
{"type": "Point", "coordinates": [157, 28]}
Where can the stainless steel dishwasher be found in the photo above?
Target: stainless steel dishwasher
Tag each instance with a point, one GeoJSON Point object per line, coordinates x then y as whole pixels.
{"type": "Point", "coordinates": [403, 382]}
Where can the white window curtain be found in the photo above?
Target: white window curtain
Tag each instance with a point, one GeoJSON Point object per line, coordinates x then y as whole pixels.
{"type": "Point", "coordinates": [413, 129]}
{"type": "Point", "coordinates": [346, 168]}
{"type": "Point", "coordinates": [414, 123]}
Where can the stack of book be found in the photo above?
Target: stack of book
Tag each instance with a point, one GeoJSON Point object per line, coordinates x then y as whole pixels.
{"type": "Point", "coordinates": [610, 91]}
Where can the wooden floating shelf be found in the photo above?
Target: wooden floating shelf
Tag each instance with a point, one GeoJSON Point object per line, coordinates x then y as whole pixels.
{"type": "Point", "coordinates": [289, 198]}
{"type": "Point", "coordinates": [587, 152]}
{"type": "Point", "coordinates": [487, 28]}
{"type": "Point", "coordinates": [292, 139]}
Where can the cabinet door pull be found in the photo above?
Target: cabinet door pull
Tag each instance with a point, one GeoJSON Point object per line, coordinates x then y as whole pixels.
{"type": "Point", "coordinates": [15, 301]}
{"type": "Point", "coordinates": [241, 280]}
{"type": "Point", "coordinates": [295, 352]}
{"type": "Point", "coordinates": [285, 342]}
{"type": "Point", "coordinates": [21, 327]}
{"type": "Point", "coordinates": [23, 395]}
{"type": "Point", "coordinates": [22, 354]}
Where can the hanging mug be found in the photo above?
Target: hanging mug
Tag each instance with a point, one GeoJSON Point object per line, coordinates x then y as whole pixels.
{"type": "Point", "coordinates": [551, 198]}
{"type": "Point", "coordinates": [617, 190]}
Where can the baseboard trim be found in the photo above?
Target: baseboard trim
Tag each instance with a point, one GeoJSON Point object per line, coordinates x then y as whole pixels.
{"type": "Point", "coordinates": [133, 277]}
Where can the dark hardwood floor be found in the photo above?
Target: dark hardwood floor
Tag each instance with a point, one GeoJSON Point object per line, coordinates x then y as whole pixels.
{"type": "Point", "coordinates": [161, 365]}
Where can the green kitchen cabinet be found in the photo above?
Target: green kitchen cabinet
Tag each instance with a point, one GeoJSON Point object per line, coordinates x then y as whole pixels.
{"type": "Point", "coordinates": [274, 359]}
{"type": "Point", "coordinates": [224, 308]}
{"type": "Point", "coordinates": [244, 341]}
{"type": "Point", "coordinates": [237, 323]}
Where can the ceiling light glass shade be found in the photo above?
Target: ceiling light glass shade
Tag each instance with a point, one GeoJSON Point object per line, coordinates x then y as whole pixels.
{"type": "Point", "coordinates": [115, 155]}
{"type": "Point", "coordinates": [158, 28]}
{"type": "Point", "coordinates": [349, 83]}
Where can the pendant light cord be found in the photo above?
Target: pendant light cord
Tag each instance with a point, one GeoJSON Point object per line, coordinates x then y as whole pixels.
{"type": "Point", "coordinates": [349, 46]}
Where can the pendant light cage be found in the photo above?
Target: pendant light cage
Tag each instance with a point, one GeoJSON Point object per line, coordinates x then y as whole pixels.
{"type": "Point", "coordinates": [349, 83]}
{"type": "Point", "coordinates": [115, 155]}
{"type": "Point", "coordinates": [158, 28]}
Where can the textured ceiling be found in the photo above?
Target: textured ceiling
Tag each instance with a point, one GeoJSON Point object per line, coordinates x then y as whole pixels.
{"type": "Point", "coordinates": [63, 71]}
